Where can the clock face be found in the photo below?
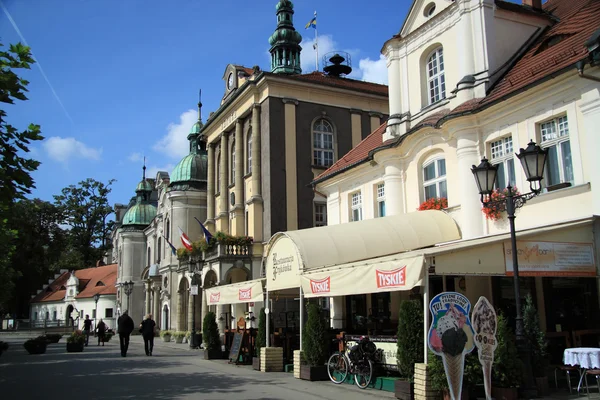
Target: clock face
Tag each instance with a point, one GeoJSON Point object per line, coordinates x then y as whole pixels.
{"type": "Point", "coordinates": [230, 81]}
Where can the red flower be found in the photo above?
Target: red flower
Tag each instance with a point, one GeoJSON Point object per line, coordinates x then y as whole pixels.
{"type": "Point", "coordinates": [434, 203]}
{"type": "Point", "coordinates": [492, 211]}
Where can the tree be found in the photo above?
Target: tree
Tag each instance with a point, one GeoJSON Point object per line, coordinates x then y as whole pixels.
{"type": "Point", "coordinates": [85, 209]}
{"type": "Point", "coordinates": [315, 337]}
{"type": "Point", "coordinates": [410, 337]}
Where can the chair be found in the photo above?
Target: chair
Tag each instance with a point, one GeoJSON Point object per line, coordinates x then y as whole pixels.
{"type": "Point", "coordinates": [567, 369]}
{"type": "Point", "coordinates": [596, 374]}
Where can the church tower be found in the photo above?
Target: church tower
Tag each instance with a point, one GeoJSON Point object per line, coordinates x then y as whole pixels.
{"type": "Point", "coordinates": [285, 41]}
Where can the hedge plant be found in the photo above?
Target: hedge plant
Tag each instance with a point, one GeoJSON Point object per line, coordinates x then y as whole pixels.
{"type": "Point", "coordinates": [210, 332]}
{"type": "Point", "coordinates": [314, 337]}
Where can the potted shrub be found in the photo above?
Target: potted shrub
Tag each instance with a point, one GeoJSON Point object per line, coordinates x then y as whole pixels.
{"type": "Point", "coordinates": [315, 345]}
{"type": "Point", "coordinates": [507, 368]}
{"type": "Point", "coordinates": [3, 347]}
{"type": "Point", "coordinates": [261, 338]}
{"type": "Point", "coordinates": [536, 341]}
{"type": "Point", "coordinates": [53, 337]}
{"type": "Point", "coordinates": [410, 347]}
{"type": "Point", "coordinates": [210, 334]}
{"type": "Point", "coordinates": [107, 337]}
{"type": "Point", "coordinates": [179, 335]}
{"type": "Point", "coordinates": [165, 335]}
{"type": "Point", "coordinates": [75, 342]}
{"type": "Point", "coordinates": [188, 335]}
{"type": "Point", "coordinates": [36, 346]}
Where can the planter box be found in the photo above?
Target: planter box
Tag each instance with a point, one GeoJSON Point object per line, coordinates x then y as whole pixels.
{"type": "Point", "coordinates": [166, 338]}
{"type": "Point", "coordinates": [317, 373]}
{"type": "Point", "coordinates": [256, 363]}
{"type": "Point", "coordinates": [404, 390]}
{"type": "Point", "coordinates": [178, 339]}
{"type": "Point", "coordinates": [215, 354]}
{"type": "Point", "coordinates": [37, 347]}
{"type": "Point", "coordinates": [499, 393]}
{"type": "Point", "coordinates": [74, 347]}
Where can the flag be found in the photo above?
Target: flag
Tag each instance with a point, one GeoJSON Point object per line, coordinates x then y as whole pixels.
{"type": "Point", "coordinates": [312, 23]}
{"type": "Point", "coordinates": [173, 249]}
{"type": "Point", "coordinates": [207, 235]}
{"type": "Point", "coordinates": [187, 243]}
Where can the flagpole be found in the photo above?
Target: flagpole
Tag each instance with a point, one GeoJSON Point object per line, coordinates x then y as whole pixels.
{"type": "Point", "coordinates": [316, 43]}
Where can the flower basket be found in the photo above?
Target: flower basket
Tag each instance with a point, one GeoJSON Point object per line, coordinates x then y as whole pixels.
{"type": "Point", "coordinates": [179, 335]}
{"type": "Point", "coordinates": [165, 335]}
{"type": "Point", "coordinates": [35, 346]}
{"type": "Point", "coordinates": [75, 341]}
{"type": "Point", "coordinates": [494, 211]}
{"type": "Point", "coordinates": [434, 203]}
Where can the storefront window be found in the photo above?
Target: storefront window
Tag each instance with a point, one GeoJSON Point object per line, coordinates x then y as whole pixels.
{"type": "Point", "coordinates": [357, 317]}
{"type": "Point", "coordinates": [504, 295]}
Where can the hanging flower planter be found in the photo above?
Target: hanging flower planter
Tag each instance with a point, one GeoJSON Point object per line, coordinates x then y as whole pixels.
{"type": "Point", "coordinates": [493, 212]}
{"type": "Point", "coordinates": [434, 203]}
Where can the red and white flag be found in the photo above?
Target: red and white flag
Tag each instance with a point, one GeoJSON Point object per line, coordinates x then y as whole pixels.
{"type": "Point", "coordinates": [187, 243]}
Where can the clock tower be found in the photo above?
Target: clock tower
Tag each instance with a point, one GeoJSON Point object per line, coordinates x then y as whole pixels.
{"type": "Point", "coordinates": [285, 41]}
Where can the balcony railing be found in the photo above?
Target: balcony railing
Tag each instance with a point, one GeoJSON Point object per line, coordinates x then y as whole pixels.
{"type": "Point", "coordinates": [228, 250]}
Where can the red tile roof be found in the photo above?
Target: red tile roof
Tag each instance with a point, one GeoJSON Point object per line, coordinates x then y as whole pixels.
{"type": "Point", "coordinates": [577, 21]}
{"type": "Point", "coordinates": [343, 83]}
{"type": "Point", "coordinates": [89, 279]}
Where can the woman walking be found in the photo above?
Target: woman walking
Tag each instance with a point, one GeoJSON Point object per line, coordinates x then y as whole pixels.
{"type": "Point", "coordinates": [147, 331]}
{"type": "Point", "coordinates": [101, 331]}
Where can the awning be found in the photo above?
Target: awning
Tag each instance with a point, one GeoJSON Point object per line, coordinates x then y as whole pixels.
{"type": "Point", "coordinates": [293, 253]}
{"type": "Point", "coordinates": [235, 293]}
{"type": "Point", "coordinates": [385, 274]}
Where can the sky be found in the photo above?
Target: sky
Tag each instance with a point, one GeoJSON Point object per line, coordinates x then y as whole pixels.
{"type": "Point", "coordinates": [117, 80]}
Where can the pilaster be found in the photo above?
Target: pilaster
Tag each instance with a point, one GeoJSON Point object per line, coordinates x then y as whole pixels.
{"type": "Point", "coordinates": [237, 223]}
{"type": "Point", "coordinates": [375, 119]}
{"type": "Point", "coordinates": [210, 188]}
{"type": "Point", "coordinates": [394, 190]}
{"type": "Point", "coordinates": [356, 124]}
{"type": "Point", "coordinates": [291, 187]}
{"type": "Point", "coordinates": [222, 218]}
{"type": "Point", "coordinates": [590, 110]}
{"type": "Point", "coordinates": [467, 154]}
{"type": "Point", "coordinates": [255, 203]}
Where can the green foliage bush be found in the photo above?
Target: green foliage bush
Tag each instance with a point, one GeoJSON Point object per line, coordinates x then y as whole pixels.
{"type": "Point", "coordinates": [166, 332]}
{"type": "Point", "coordinates": [76, 337]}
{"type": "Point", "coordinates": [210, 332]}
{"type": "Point", "coordinates": [314, 337]}
{"type": "Point", "coordinates": [536, 338]}
{"type": "Point", "coordinates": [410, 337]}
{"type": "Point", "coordinates": [507, 370]}
{"type": "Point", "coordinates": [473, 374]}
{"type": "Point", "coordinates": [261, 335]}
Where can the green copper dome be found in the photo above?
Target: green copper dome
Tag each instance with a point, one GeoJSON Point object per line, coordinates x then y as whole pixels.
{"type": "Point", "coordinates": [285, 41]}
{"type": "Point", "coordinates": [285, 36]}
{"type": "Point", "coordinates": [196, 128]}
{"type": "Point", "coordinates": [287, 4]}
{"type": "Point", "coordinates": [139, 214]}
{"type": "Point", "coordinates": [144, 186]}
{"type": "Point", "coordinates": [192, 169]}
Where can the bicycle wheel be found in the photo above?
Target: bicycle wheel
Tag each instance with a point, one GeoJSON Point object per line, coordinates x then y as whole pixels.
{"type": "Point", "coordinates": [363, 373]}
{"type": "Point", "coordinates": [337, 368]}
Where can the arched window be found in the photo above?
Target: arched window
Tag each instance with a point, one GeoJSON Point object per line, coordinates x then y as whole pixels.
{"type": "Point", "coordinates": [232, 167]}
{"type": "Point", "coordinates": [249, 152]}
{"type": "Point", "coordinates": [168, 229]}
{"type": "Point", "coordinates": [436, 81]}
{"type": "Point", "coordinates": [149, 255]}
{"type": "Point", "coordinates": [434, 179]}
{"type": "Point", "coordinates": [323, 143]}
{"type": "Point", "coordinates": [158, 252]}
{"type": "Point", "coordinates": [218, 173]}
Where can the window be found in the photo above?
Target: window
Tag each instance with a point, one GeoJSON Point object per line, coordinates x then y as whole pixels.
{"type": "Point", "coordinates": [436, 81]}
{"type": "Point", "coordinates": [322, 143]}
{"type": "Point", "coordinates": [108, 313]}
{"type": "Point", "coordinates": [502, 156]}
{"type": "Point", "coordinates": [356, 206]}
{"type": "Point", "coordinates": [54, 315]}
{"type": "Point", "coordinates": [320, 214]}
{"type": "Point", "coordinates": [35, 315]}
{"type": "Point", "coordinates": [555, 138]}
{"type": "Point", "coordinates": [429, 10]}
{"type": "Point", "coordinates": [434, 179]}
{"type": "Point", "coordinates": [168, 229]}
{"type": "Point", "coordinates": [218, 173]}
{"type": "Point", "coordinates": [47, 315]}
{"type": "Point", "coordinates": [149, 255]}
{"type": "Point", "coordinates": [94, 313]}
{"type": "Point", "coordinates": [381, 200]}
{"type": "Point", "coordinates": [249, 152]}
{"type": "Point", "coordinates": [81, 314]}
{"type": "Point", "coordinates": [232, 168]}
{"type": "Point", "coordinates": [158, 250]}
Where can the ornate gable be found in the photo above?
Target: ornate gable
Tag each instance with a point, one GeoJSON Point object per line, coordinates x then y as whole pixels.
{"type": "Point", "coordinates": [422, 11]}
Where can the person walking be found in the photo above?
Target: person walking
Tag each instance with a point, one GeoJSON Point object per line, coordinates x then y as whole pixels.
{"type": "Point", "coordinates": [87, 327]}
{"type": "Point", "coordinates": [126, 326]}
{"type": "Point", "coordinates": [147, 331]}
{"type": "Point", "coordinates": [101, 331]}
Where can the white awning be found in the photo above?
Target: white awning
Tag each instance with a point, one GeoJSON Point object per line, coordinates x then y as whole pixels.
{"type": "Point", "coordinates": [235, 293]}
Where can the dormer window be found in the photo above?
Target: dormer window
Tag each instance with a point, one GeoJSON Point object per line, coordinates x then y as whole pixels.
{"type": "Point", "coordinates": [100, 283]}
{"type": "Point", "coordinates": [429, 10]}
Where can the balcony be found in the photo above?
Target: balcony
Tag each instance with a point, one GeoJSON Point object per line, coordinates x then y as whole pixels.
{"type": "Point", "coordinates": [231, 251]}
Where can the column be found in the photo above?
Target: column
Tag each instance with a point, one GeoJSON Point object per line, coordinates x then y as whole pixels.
{"type": "Point", "coordinates": [221, 309]}
{"type": "Point", "coordinates": [204, 307]}
{"type": "Point", "coordinates": [156, 304]}
{"type": "Point", "coordinates": [355, 119]}
{"type": "Point", "coordinates": [291, 182]}
{"type": "Point", "coordinates": [466, 65]}
{"type": "Point", "coordinates": [590, 109]}
{"type": "Point", "coordinates": [148, 307]}
{"type": "Point", "coordinates": [210, 187]}
{"type": "Point", "coordinates": [256, 206]}
{"type": "Point", "coordinates": [180, 317]}
{"type": "Point", "coordinates": [223, 219]}
{"type": "Point", "coordinates": [393, 67]}
{"type": "Point", "coordinates": [394, 192]}
{"type": "Point", "coordinates": [190, 312]}
{"type": "Point", "coordinates": [238, 225]}
{"type": "Point", "coordinates": [375, 120]}
{"type": "Point", "coordinates": [471, 220]}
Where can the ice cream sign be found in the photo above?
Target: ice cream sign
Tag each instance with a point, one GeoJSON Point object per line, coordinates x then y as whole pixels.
{"type": "Point", "coordinates": [451, 336]}
{"type": "Point", "coordinates": [485, 323]}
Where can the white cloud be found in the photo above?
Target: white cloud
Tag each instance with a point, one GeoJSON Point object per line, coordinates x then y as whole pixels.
{"type": "Point", "coordinates": [374, 71]}
{"type": "Point", "coordinates": [135, 157]}
{"type": "Point", "coordinates": [65, 149]}
{"type": "Point", "coordinates": [153, 170]}
{"type": "Point", "coordinates": [308, 55]}
{"type": "Point", "coordinates": [175, 144]}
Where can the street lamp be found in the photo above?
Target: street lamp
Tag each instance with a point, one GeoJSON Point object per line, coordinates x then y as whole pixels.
{"type": "Point", "coordinates": [96, 298]}
{"type": "Point", "coordinates": [128, 289]}
{"type": "Point", "coordinates": [533, 160]}
{"type": "Point", "coordinates": [193, 291]}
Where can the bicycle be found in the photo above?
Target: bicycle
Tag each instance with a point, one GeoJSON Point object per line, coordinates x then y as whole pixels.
{"type": "Point", "coordinates": [357, 361]}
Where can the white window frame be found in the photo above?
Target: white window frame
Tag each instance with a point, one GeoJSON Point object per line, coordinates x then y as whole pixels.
{"type": "Point", "coordinates": [356, 206]}
{"type": "Point", "coordinates": [380, 192]}
{"type": "Point", "coordinates": [323, 156]}
{"type": "Point", "coordinates": [320, 214]}
{"type": "Point", "coordinates": [501, 153]}
{"type": "Point", "coordinates": [437, 180]}
{"type": "Point", "coordinates": [436, 78]}
{"type": "Point", "coordinates": [554, 133]}
{"type": "Point", "coordinates": [249, 152]}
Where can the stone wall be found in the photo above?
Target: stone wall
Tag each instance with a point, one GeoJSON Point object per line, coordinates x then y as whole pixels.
{"type": "Point", "coordinates": [271, 359]}
{"type": "Point", "coordinates": [423, 390]}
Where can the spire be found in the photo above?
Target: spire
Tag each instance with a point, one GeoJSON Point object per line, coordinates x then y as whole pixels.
{"type": "Point", "coordinates": [200, 106]}
{"type": "Point", "coordinates": [197, 140]}
{"type": "Point", "coordinates": [285, 41]}
{"type": "Point", "coordinates": [144, 169]}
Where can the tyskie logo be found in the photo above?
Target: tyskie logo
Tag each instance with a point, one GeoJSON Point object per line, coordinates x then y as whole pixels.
{"type": "Point", "coordinates": [321, 285]}
{"type": "Point", "coordinates": [393, 278]}
{"type": "Point", "coordinates": [215, 297]}
{"type": "Point", "coordinates": [245, 294]}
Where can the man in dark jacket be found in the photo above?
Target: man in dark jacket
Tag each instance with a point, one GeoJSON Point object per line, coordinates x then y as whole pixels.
{"type": "Point", "coordinates": [126, 326]}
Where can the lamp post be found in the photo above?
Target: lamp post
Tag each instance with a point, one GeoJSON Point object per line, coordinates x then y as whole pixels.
{"type": "Point", "coordinates": [96, 298]}
{"type": "Point", "coordinates": [194, 292]}
{"type": "Point", "coordinates": [128, 288]}
{"type": "Point", "coordinates": [533, 160]}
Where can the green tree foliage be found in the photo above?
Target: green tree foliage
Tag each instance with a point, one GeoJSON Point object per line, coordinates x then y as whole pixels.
{"type": "Point", "coordinates": [314, 337]}
{"type": "Point", "coordinates": [410, 337]}
{"type": "Point", "coordinates": [210, 332]}
{"type": "Point", "coordinates": [536, 338]}
{"type": "Point", "coordinates": [85, 210]}
{"type": "Point", "coordinates": [261, 335]}
{"type": "Point", "coordinates": [507, 368]}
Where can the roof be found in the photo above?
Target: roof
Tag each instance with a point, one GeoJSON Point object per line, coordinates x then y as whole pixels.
{"type": "Point", "coordinates": [577, 20]}
{"type": "Point", "coordinates": [343, 83]}
{"type": "Point", "coordinates": [192, 168]}
{"type": "Point", "coordinates": [106, 274]}
{"type": "Point", "coordinates": [140, 213]}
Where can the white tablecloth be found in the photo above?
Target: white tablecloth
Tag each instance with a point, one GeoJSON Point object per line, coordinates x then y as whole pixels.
{"type": "Point", "coordinates": [585, 357]}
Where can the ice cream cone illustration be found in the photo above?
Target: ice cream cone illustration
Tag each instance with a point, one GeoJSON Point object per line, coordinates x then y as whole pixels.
{"type": "Point", "coordinates": [487, 378]}
{"type": "Point", "coordinates": [454, 367]}
{"type": "Point", "coordinates": [484, 324]}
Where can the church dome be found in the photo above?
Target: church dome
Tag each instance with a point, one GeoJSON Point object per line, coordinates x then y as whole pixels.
{"type": "Point", "coordinates": [144, 186]}
{"type": "Point", "coordinates": [192, 170]}
{"type": "Point", "coordinates": [140, 214]}
{"type": "Point", "coordinates": [284, 35]}
{"type": "Point", "coordinates": [196, 128]}
{"type": "Point", "coordinates": [286, 4]}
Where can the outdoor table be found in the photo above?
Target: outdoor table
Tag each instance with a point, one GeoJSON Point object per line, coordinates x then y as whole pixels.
{"type": "Point", "coordinates": [583, 357]}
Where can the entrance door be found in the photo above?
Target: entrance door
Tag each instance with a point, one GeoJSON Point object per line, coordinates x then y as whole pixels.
{"type": "Point", "coordinates": [356, 315]}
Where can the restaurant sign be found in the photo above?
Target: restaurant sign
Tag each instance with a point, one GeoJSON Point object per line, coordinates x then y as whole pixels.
{"type": "Point", "coordinates": [388, 346]}
{"type": "Point", "coordinates": [551, 259]}
{"type": "Point", "coordinates": [282, 265]}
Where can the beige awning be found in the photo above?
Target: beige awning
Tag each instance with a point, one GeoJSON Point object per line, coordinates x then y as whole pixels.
{"type": "Point", "coordinates": [290, 254]}
{"type": "Point", "coordinates": [241, 292]}
{"type": "Point", "coordinates": [384, 274]}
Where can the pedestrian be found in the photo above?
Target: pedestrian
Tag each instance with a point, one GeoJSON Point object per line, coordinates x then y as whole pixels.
{"type": "Point", "coordinates": [125, 328]}
{"type": "Point", "coordinates": [87, 327]}
{"type": "Point", "coordinates": [147, 331]}
{"type": "Point", "coordinates": [101, 331]}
